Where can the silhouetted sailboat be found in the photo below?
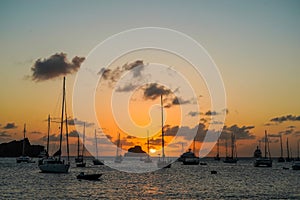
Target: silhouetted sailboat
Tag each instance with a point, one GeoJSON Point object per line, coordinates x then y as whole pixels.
{"type": "Point", "coordinates": [148, 159]}
{"type": "Point", "coordinates": [58, 165]}
{"type": "Point", "coordinates": [281, 159]}
{"type": "Point", "coordinates": [288, 158]}
{"type": "Point", "coordinates": [118, 158]}
{"type": "Point", "coordinates": [80, 157]}
{"type": "Point", "coordinates": [257, 153]}
{"type": "Point", "coordinates": [217, 157]}
{"type": "Point", "coordinates": [264, 161]}
{"type": "Point", "coordinates": [23, 157]}
{"type": "Point", "coordinates": [296, 164]}
{"type": "Point", "coordinates": [233, 157]}
{"type": "Point", "coordinates": [96, 161]}
{"type": "Point", "coordinates": [162, 163]}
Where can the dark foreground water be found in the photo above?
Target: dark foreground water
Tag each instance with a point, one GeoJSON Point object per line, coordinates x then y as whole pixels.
{"type": "Point", "coordinates": [232, 181]}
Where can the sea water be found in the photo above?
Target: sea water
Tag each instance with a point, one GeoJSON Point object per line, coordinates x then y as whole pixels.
{"type": "Point", "coordinates": [232, 181]}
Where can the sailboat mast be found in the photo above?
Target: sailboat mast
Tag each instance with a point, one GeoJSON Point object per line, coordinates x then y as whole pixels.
{"type": "Point", "coordinates": [118, 144]}
{"type": "Point", "coordinates": [281, 149]}
{"type": "Point", "coordinates": [162, 128]}
{"type": "Point", "coordinates": [78, 145]}
{"type": "Point", "coordinates": [265, 144]}
{"type": "Point", "coordinates": [148, 147]}
{"type": "Point", "coordinates": [287, 147]}
{"type": "Point", "coordinates": [226, 146]}
{"type": "Point", "coordinates": [298, 149]}
{"type": "Point", "coordinates": [218, 148]}
{"type": "Point", "coordinates": [83, 139]}
{"type": "Point", "coordinates": [232, 145]}
{"type": "Point", "coordinates": [23, 150]}
{"type": "Point", "coordinates": [67, 131]}
{"type": "Point", "coordinates": [49, 119]}
{"type": "Point", "coordinates": [96, 143]}
{"type": "Point", "coordinates": [62, 118]}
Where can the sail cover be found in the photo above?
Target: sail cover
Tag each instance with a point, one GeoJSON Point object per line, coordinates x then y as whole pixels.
{"type": "Point", "coordinates": [58, 153]}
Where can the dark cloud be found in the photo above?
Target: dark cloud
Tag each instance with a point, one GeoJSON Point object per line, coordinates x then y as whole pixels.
{"type": "Point", "coordinates": [241, 133]}
{"type": "Point", "coordinates": [153, 90]}
{"type": "Point", "coordinates": [291, 127]}
{"type": "Point", "coordinates": [180, 101]}
{"type": "Point", "coordinates": [73, 134]}
{"type": "Point", "coordinates": [209, 113]}
{"type": "Point", "coordinates": [10, 126]}
{"type": "Point", "coordinates": [171, 131]}
{"type": "Point", "coordinates": [55, 66]}
{"type": "Point", "coordinates": [193, 114]}
{"type": "Point", "coordinates": [285, 118]}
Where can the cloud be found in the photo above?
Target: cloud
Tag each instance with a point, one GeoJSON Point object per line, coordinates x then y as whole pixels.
{"type": "Point", "coordinates": [113, 75]}
{"type": "Point", "coordinates": [171, 131]}
{"type": "Point", "coordinates": [55, 66]}
{"type": "Point", "coordinates": [274, 135]}
{"type": "Point", "coordinates": [52, 138]}
{"type": "Point", "coordinates": [79, 122]}
{"type": "Point", "coordinates": [153, 90]}
{"type": "Point", "coordinates": [209, 113]}
{"type": "Point", "coordinates": [4, 134]}
{"type": "Point", "coordinates": [36, 132]}
{"type": "Point", "coordinates": [241, 133]}
{"type": "Point", "coordinates": [73, 134]}
{"type": "Point", "coordinates": [285, 118]}
{"type": "Point", "coordinates": [126, 88]}
{"type": "Point", "coordinates": [10, 126]}
{"type": "Point", "coordinates": [180, 101]}
{"type": "Point", "coordinates": [193, 114]}
{"type": "Point", "coordinates": [291, 127]}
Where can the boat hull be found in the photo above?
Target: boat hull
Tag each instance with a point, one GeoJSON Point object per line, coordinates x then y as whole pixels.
{"type": "Point", "coordinates": [81, 164]}
{"type": "Point", "coordinates": [230, 160]}
{"type": "Point", "coordinates": [191, 161]}
{"type": "Point", "coordinates": [54, 168]}
{"type": "Point", "coordinates": [98, 162]}
{"type": "Point", "coordinates": [263, 163]}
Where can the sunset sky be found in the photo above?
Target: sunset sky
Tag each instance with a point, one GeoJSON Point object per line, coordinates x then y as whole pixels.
{"type": "Point", "coordinates": [255, 44]}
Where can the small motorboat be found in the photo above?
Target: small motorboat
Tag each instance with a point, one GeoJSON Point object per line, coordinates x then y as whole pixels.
{"type": "Point", "coordinates": [296, 165]}
{"type": "Point", "coordinates": [88, 176]}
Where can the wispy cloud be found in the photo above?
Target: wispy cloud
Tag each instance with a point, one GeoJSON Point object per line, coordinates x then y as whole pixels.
{"type": "Point", "coordinates": [285, 118]}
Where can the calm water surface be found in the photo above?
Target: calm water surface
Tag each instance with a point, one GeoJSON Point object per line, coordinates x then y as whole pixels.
{"type": "Point", "coordinates": [233, 181]}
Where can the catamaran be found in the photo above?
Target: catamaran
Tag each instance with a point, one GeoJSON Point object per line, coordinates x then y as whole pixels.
{"type": "Point", "coordinates": [57, 165]}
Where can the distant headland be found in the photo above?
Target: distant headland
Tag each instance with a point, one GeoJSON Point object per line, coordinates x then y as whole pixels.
{"type": "Point", "coordinates": [135, 151]}
{"type": "Point", "coordinates": [14, 149]}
